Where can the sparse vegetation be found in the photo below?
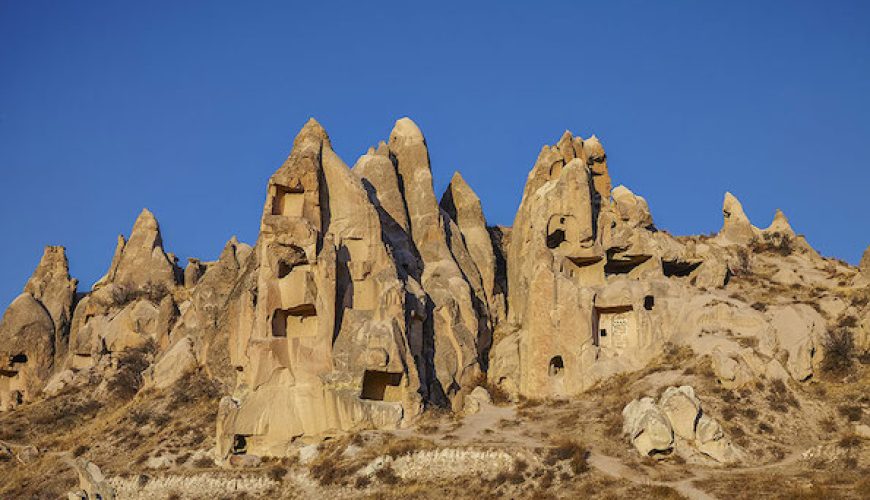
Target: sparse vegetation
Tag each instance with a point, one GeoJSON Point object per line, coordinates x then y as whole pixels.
{"type": "Point", "coordinates": [127, 380]}
{"type": "Point", "coordinates": [839, 350]}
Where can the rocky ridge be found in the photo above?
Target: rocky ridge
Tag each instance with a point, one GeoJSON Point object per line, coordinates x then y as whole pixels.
{"type": "Point", "coordinates": [367, 300]}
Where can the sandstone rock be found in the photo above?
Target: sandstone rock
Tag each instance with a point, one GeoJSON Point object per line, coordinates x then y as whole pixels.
{"type": "Point", "coordinates": [799, 330]}
{"type": "Point", "coordinates": [864, 265]}
{"type": "Point", "coordinates": [192, 272]}
{"type": "Point", "coordinates": [141, 260]}
{"type": "Point", "coordinates": [682, 408]}
{"type": "Point", "coordinates": [631, 208]}
{"type": "Point", "coordinates": [27, 343]}
{"type": "Point", "coordinates": [475, 400]}
{"type": "Point", "coordinates": [322, 340]}
{"type": "Point", "coordinates": [712, 441]}
{"type": "Point", "coordinates": [455, 321]}
{"type": "Point", "coordinates": [647, 427]}
{"type": "Point", "coordinates": [736, 228]}
{"type": "Point", "coordinates": [53, 287]}
{"type": "Point", "coordinates": [91, 481]}
{"type": "Point", "coordinates": [178, 361]}
{"type": "Point", "coordinates": [463, 207]}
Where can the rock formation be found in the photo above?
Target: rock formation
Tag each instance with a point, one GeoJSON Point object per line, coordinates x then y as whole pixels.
{"type": "Point", "coordinates": [676, 421]}
{"type": "Point", "coordinates": [366, 299]}
{"type": "Point", "coordinates": [34, 329]}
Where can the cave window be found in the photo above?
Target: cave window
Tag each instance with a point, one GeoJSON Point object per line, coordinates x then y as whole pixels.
{"type": "Point", "coordinates": [240, 444]}
{"type": "Point", "coordinates": [297, 322]}
{"type": "Point", "coordinates": [555, 238]}
{"type": "Point", "coordinates": [649, 302]}
{"type": "Point", "coordinates": [562, 228]}
{"type": "Point", "coordinates": [18, 359]}
{"type": "Point", "coordinates": [602, 332]}
{"type": "Point", "coordinates": [556, 366]}
{"type": "Point", "coordinates": [678, 269]}
{"type": "Point", "coordinates": [381, 386]}
{"type": "Point", "coordinates": [283, 269]}
{"type": "Point", "coordinates": [288, 202]}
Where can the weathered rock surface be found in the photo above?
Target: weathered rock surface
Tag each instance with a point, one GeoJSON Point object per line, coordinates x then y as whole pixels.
{"type": "Point", "coordinates": [365, 299]}
{"type": "Point", "coordinates": [652, 427]}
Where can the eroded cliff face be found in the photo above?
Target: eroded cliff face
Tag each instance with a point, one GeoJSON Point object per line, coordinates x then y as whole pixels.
{"type": "Point", "coordinates": [366, 299]}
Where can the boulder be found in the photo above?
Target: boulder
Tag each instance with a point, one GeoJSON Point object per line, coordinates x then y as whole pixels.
{"type": "Point", "coordinates": [174, 364]}
{"type": "Point", "coordinates": [648, 428]}
{"type": "Point", "coordinates": [711, 440]}
{"type": "Point", "coordinates": [92, 483]}
{"type": "Point", "coordinates": [475, 400]}
{"type": "Point", "coordinates": [682, 408]}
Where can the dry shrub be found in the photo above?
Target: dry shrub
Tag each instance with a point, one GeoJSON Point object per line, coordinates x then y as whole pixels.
{"type": "Point", "coordinates": [387, 475]}
{"type": "Point", "coordinates": [125, 294]}
{"type": "Point", "coordinates": [662, 492]}
{"type": "Point", "coordinates": [406, 446]}
{"type": "Point", "coordinates": [80, 450]}
{"type": "Point", "coordinates": [203, 463]}
{"type": "Point", "coordinates": [849, 441]}
{"type": "Point", "coordinates": [839, 349]}
{"type": "Point", "coordinates": [127, 380]}
{"type": "Point", "coordinates": [195, 387]}
{"type": "Point", "coordinates": [776, 243]}
{"type": "Point", "coordinates": [780, 398]}
{"type": "Point", "coordinates": [852, 413]}
{"type": "Point", "coordinates": [277, 473]}
{"type": "Point", "coordinates": [571, 451]}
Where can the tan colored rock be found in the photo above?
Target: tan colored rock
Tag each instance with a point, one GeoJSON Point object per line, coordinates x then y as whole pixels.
{"type": "Point", "coordinates": [141, 260]}
{"type": "Point", "coordinates": [27, 343]}
{"type": "Point", "coordinates": [736, 228]}
{"type": "Point", "coordinates": [475, 400]}
{"type": "Point", "coordinates": [178, 361]}
{"type": "Point", "coordinates": [864, 265]}
{"type": "Point", "coordinates": [457, 330]}
{"type": "Point", "coordinates": [463, 207]}
{"type": "Point", "coordinates": [319, 334]}
{"type": "Point", "coordinates": [92, 482]}
{"type": "Point", "coordinates": [53, 287]}
{"type": "Point", "coordinates": [682, 408]}
{"type": "Point", "coordinates": [631, 208]}
{"type": "Point", "coordinates": [799, 331]}
{"type": "Point", "coordinates": [711, 440]}
{"type": "Point", "coordinates": [193, 272]}
{"type": "Point", "coordinates": [647, 427]}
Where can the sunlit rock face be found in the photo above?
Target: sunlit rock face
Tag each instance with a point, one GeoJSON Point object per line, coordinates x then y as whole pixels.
{"type": "Point", "coordinates": [366, 299]}
{"type": "Point", "coordinates": [320, 340]}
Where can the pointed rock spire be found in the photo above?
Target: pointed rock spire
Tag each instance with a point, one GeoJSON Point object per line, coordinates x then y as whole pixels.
{"type": "Point", "coordinates": [461, 203]}
{"type": "Point", "coordinates": [780, 224]}
{"type": "Point", "coordinates": [141, 259]}
{"type": "Point", "coordinates": [52, 286]}
{"type": "Point", "coordinates": [736, 227]}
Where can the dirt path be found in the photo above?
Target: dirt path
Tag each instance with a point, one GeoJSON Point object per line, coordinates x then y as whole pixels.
{"type": "Point", "coordinates": [615, 468]}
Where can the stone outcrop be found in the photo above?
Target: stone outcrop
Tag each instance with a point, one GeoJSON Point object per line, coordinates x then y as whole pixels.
{"type": "Point", "coordinates": [322, 340]}
{"type": "Point", "coordinates": [736, 228]}
{"type": "Point", "coordinates": [366, 298]}
{"type": "Point", "coordinates": [141, 260]}
{"type": "Point", "coordinates": [463, 207]}
{"type": "Point", "coordinates": [678, 422]}
{"type": "Point", "coordinates": [53, 287]}
{"type": "Point", "coordinates": [132, 305]}
{"type": "Point", "coordinates": [34, 329]}
{"type": "Point", "coordinates": [92, 482]}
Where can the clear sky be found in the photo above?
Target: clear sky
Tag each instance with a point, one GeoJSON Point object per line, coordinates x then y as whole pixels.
{"type": "Point", "coordinates": [188, 107]}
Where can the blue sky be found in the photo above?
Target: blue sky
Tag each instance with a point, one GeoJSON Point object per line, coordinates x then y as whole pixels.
{"type": "Point", "coordinates": [188, 107]}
